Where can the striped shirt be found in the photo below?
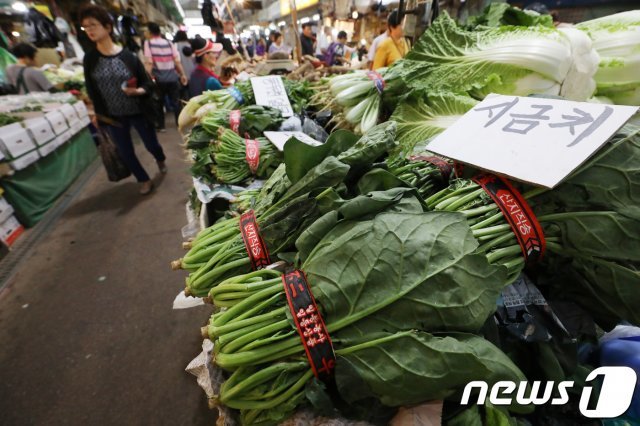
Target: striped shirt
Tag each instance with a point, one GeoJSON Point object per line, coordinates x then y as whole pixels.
{"type": "Point", "coordinates": [163, 53]}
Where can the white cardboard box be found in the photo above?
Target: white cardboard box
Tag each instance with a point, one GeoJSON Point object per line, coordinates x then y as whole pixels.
{"type": "Point", "coordinates": [58, 122]}
{"type": "Point", "coordinates": [10, 128]}
{"type": "Point", "coordinates": [17, 143]}
{"type": "Point", "coordinates": [77, 127]}
{"type": "Point", "coordinates": [47, 149]}
{"type": "Point", "coordinates": [10, 230]}
{"type": "Point", "coordinates": [81, 109]}
{"type": "Point", "coordinates": [63, 138]}
{"type": "Point", "coordinates": [25, 161]}
{"type": "Point", "coordinates": [69, 113]}
{"type": "Point", "coordinates": [40, 130]}
{"type": "Point", "coordinates": [6, 209]}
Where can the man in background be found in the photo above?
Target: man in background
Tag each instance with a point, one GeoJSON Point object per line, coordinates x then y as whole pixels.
{"type": "Point", "coordinates": [162, 61]}
{"type": "Point", "coordinates": [307, 40]}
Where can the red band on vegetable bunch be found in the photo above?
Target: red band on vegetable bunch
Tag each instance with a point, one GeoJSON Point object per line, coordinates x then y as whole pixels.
{"type": "Point", "coordinates": [234, 120]}
{"type": "Point", "coordinates": [443, 165]}
{"type": "Point", "coordinates": [253, 242]}
{"type": "Point", "coordinates": [517, 212]}
{"type": "Point", "coordinates": [310, 325]}
{"type": "Point", "coordinates": [378, 81]}
{"type": "Point", "coordinates": [252, 154]}
{"type": "Point", "coordinates": [458, 169]}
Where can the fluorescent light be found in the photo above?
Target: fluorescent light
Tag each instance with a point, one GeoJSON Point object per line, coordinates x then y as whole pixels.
{"type": "Point", "coordinates": [15, 34]}
{"type": "Point", "coordinates": [305, 20]}
{"type": "Point", "coordinates": [355, 15]}
{"type": "Point", "coordinates": [203, 30]}
{"type": "Point", "coordinates": [315, 17]}
{"type": "Point", "coordinates": [193, 22]}
{"type": "Point", "coordinates": [18, 6]}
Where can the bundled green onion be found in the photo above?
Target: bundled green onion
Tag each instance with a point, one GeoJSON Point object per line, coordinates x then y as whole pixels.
{"type": "Point", "coordinates": [254, 120]}
{"type": "Point", "coordinates": [231, 163]}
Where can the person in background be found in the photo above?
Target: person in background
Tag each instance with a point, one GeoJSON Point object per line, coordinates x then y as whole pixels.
{"type": "Point", "coordinates": [203, 77]}
{"type": "Point", "coordinates": [117, 84]}
{"type": "Point", "coordinates": [374, 45]}
{"type": "Point", "coordinates": [163, 63]}
{"type": "Point", "coordinates": [393, 48]}
{"type": "Point", "coordinates": [23, 75]}
{"type": "Point", "coordinates": [261, 48]}
{"type": "Point", "coordinates": [307, 40]}
{"type": "Point", "coordinates": [278, 45]}
{"type": "Point", "coordinates": [272, 38]}
{"type": "Point", "coordinates": [251, 48]}
{"type": "Point", "coordinates": [323, 43]}
{"type": "Point", "coordinates": [186, 52]}
{"type": "Point", "coordinates": [336, 52]}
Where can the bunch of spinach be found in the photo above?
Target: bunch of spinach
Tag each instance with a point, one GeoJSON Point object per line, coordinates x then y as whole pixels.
{"type": "Point", "coordinates": [288, 206]}
{"type": "Point", "coordinates": [375, 278]}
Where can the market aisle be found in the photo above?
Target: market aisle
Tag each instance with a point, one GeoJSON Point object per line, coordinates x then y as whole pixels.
{"type": "Point", "coordinates": [87, 331]}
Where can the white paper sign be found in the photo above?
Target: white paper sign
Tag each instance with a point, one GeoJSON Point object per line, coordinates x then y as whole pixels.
{"type": "Point", "coordinates": [280, 138]}
{"type": "Point", "coordinates": [270, 91]}
{"type": "Point", "coordinates": [535, 140]}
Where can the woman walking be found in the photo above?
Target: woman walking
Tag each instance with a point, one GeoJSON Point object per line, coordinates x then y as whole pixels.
{"type": "Point", "coordinates": [117, 84]}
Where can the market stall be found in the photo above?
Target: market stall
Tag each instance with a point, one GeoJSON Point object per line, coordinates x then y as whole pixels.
{"type": "Point", "coordinates": [376, 257]}
{"type": "Point", "coordinates": [44, 150]}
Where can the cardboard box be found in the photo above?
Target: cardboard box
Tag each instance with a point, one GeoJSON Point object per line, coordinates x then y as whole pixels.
{"type": "Point", "coordinates": [77, 127]}
{"type": "Point", "coordinates": [17, 143]}
{"type": "Point", "coordinates": [81, 109]}
{"type": "Point", "coordinates": [40, 130]}
{"type": "Point", "coordinates": [47, 149]}
{"type": "Point", "coordinates": [6, 209]}
{"type": "Point", "coordinates": [58, 122]}
{"type": "Point", "coordinates": [70, 114]}
{"type": "Point", "coordinates": [10, 230]}
{"type": "Point", "coordinates": [10, 128]}
{"type": "Point", "coordinates": [25, 161]}
{"type": "Point", "coordinates": [63, 138]}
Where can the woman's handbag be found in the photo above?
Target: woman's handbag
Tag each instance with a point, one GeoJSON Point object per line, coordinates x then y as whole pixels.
{"type": "Point", "coordinates": [116, 169]}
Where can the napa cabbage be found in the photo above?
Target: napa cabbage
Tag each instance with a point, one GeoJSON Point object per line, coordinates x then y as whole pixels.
{"type": "Point", "coordinates": [616, 38]}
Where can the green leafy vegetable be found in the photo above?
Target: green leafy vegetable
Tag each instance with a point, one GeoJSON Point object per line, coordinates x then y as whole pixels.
{"type": "Point", "coordinates": [616, 39]}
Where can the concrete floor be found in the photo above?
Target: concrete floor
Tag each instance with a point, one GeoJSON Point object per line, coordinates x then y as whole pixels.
{"type": "Point", "coordinates": [87, 331]}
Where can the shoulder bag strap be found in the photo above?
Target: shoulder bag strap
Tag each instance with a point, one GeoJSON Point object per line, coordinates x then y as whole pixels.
{"type": "Point", "coordinates": [20, 83]}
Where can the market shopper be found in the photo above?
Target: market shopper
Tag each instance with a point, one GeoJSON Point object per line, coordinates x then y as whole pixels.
{"type": "Point", "coordinates": [163, 63]}
{"type": "Point", "coordinates": [307, 40]}
{"type": "Point", "coordinates": [337, 50]}
{"type": "Point", "coordinates": [261, 48]}
{"type": "Point", "coordinates": [323, 42]}
{"type": "Point", "coordinates": [203, 76]}
{"type": "Point", "coordinates": [394, 47]}
{"type": "Point", "coordinates": [375, 44]}
{"type": "Point", "coordinates": [278, 45]}
{"type": "Point", "coordinates": [118, 86]}
{"type": "Point", "coordinates": [23, 75]}
{"type": "Point", "coordinates": [185, 50]}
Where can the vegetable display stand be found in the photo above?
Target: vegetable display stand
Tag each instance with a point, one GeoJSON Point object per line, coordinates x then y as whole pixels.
{"type": "Point", "coordinates": [34, 190]}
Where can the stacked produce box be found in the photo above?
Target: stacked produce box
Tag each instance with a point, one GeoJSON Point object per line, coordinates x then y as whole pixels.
{"type": "Point", "coordinates": [368, 274]}
{"type": "Point", "coordinates": [33, 127]}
